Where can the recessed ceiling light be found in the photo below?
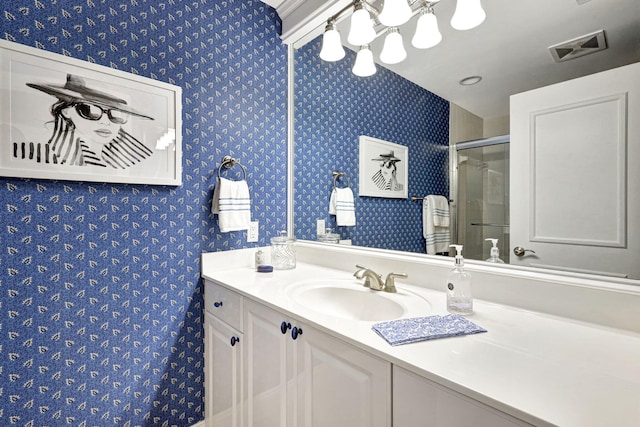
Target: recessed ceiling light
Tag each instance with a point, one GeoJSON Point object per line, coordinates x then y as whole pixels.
{"type": "Point", "coordinates": [472, 80]}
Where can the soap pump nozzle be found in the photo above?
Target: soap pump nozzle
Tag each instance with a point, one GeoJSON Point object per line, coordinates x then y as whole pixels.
{"type": "Point", "coordinates": [495, 252]}
{"type": "Point", "coordinates": [459, 262]}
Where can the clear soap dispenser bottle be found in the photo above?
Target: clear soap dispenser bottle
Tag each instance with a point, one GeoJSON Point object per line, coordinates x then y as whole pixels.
{"type": "Point", "coordinates": [459, 297]}
{"type": "Point", "coordinates": [495, 253]}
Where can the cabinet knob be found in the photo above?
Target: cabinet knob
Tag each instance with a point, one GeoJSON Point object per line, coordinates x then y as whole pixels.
{"type": "Point", "coordinates": [234, 341]}
{"type": "Point", "coordinates": [217, 304]}
{"type": "Point", "coordinates": [284, 326]}
{"type": "Point", "coordinates": [295, 332]}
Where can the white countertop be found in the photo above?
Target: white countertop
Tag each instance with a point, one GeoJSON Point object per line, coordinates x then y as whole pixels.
{"type": "Point", "coordinates": [543, 369]}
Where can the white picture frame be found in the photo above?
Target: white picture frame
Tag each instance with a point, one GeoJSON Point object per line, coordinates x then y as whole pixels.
{"type": "Point", "coordinates": [383, 168]}
{"type": "Point", "coordinates": [66, 119]}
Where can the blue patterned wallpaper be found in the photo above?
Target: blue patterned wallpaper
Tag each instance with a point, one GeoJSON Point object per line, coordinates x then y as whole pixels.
{"type": "Point", "coordinates": [332, 108]}
{"type": "Point", "coordinates": [101, 300]}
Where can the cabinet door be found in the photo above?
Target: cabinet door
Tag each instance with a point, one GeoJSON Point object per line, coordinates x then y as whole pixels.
{"type": "Point", "coordinates": [222, 373]}
{"type": "Point", "coordinates": [418, 402]}
{"type": "Point", "coordinates": [266, 353]}
{"type": "Point", "coordinates": [340, 385]}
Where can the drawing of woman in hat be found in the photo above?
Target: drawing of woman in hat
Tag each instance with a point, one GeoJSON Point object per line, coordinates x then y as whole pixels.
{"type": "Point", "coordinates": [87, 129]}
{"type": "Point", "coordinates": [385, 178]}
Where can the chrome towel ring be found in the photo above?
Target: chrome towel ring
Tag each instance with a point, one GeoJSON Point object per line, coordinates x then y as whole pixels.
{"type": "Point", "coordinates": [337, 175]}
{"type": "Point", "coordinates": [228, 162]}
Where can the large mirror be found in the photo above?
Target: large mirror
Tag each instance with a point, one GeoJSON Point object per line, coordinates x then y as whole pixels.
{"type": "Point", "coordinates": [420, 103]}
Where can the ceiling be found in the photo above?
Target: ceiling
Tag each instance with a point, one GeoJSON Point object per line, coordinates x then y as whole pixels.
{"type": "Point", "coordinates": [510, 49]}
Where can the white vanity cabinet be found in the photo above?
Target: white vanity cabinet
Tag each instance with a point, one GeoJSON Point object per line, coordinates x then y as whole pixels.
{"type": "Point", "coordinates": [280, 372]}
{"type": "Point", "coordinates": [298, 376]}
{"type": "Point", "coordinates": [420, 402]}
{"type": "Point", "coordinates": [223, 357]}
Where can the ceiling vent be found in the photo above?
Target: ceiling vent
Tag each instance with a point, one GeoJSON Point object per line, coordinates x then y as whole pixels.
{"type": "Point", "coordinates": [580, 46]}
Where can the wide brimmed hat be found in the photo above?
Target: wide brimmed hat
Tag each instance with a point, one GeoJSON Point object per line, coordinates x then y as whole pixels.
{"type": "Point", "coordinates": [388, 157]}
{"type": "Point", "coordinates": [76, 90]}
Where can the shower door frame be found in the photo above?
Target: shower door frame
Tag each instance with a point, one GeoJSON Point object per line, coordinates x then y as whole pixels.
{"type": "Point", "coordinates": [453, 168]}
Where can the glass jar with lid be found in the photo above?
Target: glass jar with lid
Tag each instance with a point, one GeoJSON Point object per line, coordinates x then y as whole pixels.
{"type": "Point", "coordinates": [283, 252]}
{"type": "Point", "coordinates": [329, 236]}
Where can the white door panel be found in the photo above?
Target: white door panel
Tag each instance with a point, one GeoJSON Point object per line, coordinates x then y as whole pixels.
{"type": "Point", "coordinates": [575, 152]}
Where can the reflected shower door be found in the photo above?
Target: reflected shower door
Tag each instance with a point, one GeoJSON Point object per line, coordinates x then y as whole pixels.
{"type": "Point", "coordinates": [483, 196]}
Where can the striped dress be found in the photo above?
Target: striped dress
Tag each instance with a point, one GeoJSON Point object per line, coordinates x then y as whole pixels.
{"type": "Point", "coordinates": [122, 152]}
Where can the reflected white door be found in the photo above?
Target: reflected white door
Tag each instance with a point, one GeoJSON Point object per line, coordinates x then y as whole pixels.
{"type": "Point", "coordinates": [575, 169]}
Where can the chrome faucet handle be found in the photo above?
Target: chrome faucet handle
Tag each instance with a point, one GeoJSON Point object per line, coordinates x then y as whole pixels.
{"type": "Point", "coordinates": [390, 283]}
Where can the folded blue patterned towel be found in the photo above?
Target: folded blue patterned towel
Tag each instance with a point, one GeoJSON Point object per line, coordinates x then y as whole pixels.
{"type": "Point", "coordinates": [405, 331]}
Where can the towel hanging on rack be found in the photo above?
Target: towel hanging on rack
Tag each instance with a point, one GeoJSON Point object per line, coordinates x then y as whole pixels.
{"type": "Point", "coordinates": [231, 200]}
{"type": "Point", "coordinates": [342, 206]}
{"type": "Point", "coordinates": [435, 223]}
{"type": "Point", "coordinates": [341, 203]}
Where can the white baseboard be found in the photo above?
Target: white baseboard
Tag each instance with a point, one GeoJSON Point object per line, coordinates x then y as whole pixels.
{"type": "Point", "coordinates": [199, 424]}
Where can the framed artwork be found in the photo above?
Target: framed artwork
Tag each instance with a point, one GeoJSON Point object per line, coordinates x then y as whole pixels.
{"type": "Point", "coordinates": [66, 119]}
{"type": "Point", "coordinates": [384, 168]}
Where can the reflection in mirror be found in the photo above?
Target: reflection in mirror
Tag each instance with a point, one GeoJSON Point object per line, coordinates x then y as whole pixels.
{"type": "Point", "coordinates": [480, 182]}
{"type": "Point", "coordinates": [333, 107]}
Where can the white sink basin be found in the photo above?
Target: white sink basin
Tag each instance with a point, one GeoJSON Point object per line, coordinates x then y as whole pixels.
{"type": "Point", "coordinates": [349, 299]}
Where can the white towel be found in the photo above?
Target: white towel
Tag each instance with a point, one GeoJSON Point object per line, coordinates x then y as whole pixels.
{"type": "Point", "coordinates": [341, 205]}
{"type": "Point", "coordinates": [232, 203]}
{"type": "Point", "coordinates": [439, 210]}
{"type": "Point", "coordinates": [435, 224]}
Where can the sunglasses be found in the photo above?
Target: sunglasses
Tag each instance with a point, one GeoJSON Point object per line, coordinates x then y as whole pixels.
{"type": "Point", "coordinates": [95, 112]}
{"type": "Point", "coordinates": [389, 164]}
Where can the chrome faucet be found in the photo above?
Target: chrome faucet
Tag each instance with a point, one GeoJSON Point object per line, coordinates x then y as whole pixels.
{"type": "Point", "coordinates": [374, 280]}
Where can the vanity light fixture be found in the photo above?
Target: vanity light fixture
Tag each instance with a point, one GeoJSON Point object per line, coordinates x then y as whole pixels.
{"type": "Point", "coordinates": [361, 31]}
{"type": "Point", "coordinates": [332, 49]}
{"type": "Point", "coordinates": [393, 50]}
{"type": "Point", "coordinates": [367, 23]}
{"type": "Point", "coordinates": [395, 13]}
{"type": "Point", "coordinates": [427, 32]}
{"type": "Point", "coordinates": [364, 65]}
{"type": "Point", "coordinates": [469, 14]}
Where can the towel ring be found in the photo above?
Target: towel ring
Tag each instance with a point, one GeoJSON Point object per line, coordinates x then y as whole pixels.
{"type": "Point", "coordinates": [228, 162]}
{"type": "Point", "coordinates": [336, 175]}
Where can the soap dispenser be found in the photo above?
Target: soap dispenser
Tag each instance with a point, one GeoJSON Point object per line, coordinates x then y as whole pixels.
{"type": "Point", "coordinates": [495, 253]}
{"type": "Point", "coordinates": [459, 297]}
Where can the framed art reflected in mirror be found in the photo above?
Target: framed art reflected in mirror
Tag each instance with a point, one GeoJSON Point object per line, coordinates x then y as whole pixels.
{"type": "Point", "coordinates": [384, 168]}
